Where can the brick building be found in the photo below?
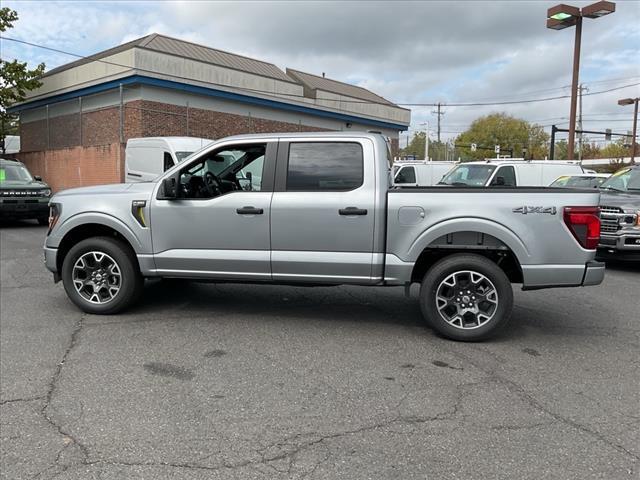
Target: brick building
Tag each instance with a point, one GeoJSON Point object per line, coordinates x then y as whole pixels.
{"type": "Point", "coordinates": [74, 127]}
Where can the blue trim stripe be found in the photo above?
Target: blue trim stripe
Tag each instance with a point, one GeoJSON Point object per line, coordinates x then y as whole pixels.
{"type": "Point", "coordinates": [209, 92]}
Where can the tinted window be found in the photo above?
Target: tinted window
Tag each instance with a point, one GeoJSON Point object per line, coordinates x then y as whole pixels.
{"type": "Point", "coordinates": [324, 166]}
{"type": "Point", "coordinates": [508, 174]}
{"type": "Point", "coordinates": [168, 161]}
{"type": "Point", "coordinates": [406, 175]}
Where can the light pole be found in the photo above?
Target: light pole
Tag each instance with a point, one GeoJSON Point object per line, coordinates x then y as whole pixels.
{"type": "Point", "coordinates": [426, 141]}
{"type": "Point", "coordinates": [629, 101]}
{"type": "Point", "coordinates": [563, 16]}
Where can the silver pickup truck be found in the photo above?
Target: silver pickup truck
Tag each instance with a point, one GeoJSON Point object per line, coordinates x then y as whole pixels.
{"type": "Point", "coordinates": [317, 209]}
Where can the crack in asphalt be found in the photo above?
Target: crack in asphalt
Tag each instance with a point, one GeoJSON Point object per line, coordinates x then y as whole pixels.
{"type": "Point", "coordinates": [535, 403]}
{"type": "Point", "coordinates": [27, 399]}
{"type": "Point", "coordinates": [52, 386]}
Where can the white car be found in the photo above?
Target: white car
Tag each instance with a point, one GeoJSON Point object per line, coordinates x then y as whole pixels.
{"type": "Point", "coordinates": [581, 180]}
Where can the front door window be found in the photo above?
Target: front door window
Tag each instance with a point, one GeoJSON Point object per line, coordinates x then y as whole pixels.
{"type": "Point", "coordinates": [224, 171]}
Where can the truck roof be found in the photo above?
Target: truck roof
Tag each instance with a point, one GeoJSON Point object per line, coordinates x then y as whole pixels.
{"type": "Point", "coordinates": [329, 134]}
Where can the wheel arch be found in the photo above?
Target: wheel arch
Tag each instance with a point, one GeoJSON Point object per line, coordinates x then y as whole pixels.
{"type": "Point", "coordinates": [94, 226]}
{"type": "Point", "coordinates": [468, 241]}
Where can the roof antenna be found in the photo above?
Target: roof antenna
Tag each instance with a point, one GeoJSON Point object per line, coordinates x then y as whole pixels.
{"type": "Point", "coordinates": [322, 74]}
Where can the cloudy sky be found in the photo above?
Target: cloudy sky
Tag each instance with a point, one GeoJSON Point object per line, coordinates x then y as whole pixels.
{"type": "Point", "coordinates": [408, 52]}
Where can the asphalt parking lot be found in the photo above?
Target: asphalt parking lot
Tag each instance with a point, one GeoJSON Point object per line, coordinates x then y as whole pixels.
{"type": "Point", "coordinates": [277, 382]}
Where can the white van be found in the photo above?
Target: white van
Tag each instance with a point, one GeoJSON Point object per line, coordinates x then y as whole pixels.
{"type": "Point", "coordinates": [510, 173]}
{"type": "Point", "coordinates": [146, 158]}
{"type": "Point", "coordinates": [413, 174]}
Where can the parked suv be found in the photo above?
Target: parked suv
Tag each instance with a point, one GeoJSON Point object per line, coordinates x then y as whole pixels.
{"type": "Point", "coordinates": [21, 194]}
{"type": "Point", "coordinates": [620, 215]}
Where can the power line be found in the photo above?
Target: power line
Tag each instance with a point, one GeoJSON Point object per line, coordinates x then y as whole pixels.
{"type": "Point", "coordinates": [401, 104]}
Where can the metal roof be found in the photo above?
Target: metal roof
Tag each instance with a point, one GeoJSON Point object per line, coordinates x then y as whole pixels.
{"type": "Point", "coordinates": [173, 46]}
{"type": "Point", "coordinates": [316, 82]}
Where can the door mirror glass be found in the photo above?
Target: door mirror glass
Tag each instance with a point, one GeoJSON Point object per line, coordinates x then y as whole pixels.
{"type": "Point", "coordinates": [169, 189]}
{"type": "Point", "coordinates": [37, 178]}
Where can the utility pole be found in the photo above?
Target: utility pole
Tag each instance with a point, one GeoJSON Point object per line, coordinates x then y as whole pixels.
{"type": "Point", "coordinates": [426, 141]}
{"type": "Point", "coordinates": [581, 89]}
{"type": "Point", "coordinates": [439, 113]}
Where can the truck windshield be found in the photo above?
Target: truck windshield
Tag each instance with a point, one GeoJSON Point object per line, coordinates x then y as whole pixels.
{"type": "Point", "coordinates": [625, 180]}
{"type": "Point", "coordinates": [180, 156]}
{"type": "Point", "coordinates": [14, 173]}
{"type": "Point", "coordinates": [473, 175]}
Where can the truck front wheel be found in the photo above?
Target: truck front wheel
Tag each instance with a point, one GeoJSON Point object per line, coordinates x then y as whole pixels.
{"type": "Point", "coordinates": [466, 297]}
{"type": "Point", "coordinates": [101, 276]}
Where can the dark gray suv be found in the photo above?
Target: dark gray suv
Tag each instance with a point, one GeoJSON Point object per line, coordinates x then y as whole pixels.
{"type": "Point", "coordinates": [21, 194]}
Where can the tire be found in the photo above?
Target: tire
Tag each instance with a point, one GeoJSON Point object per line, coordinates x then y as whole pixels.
{"type": "Point", "coordinates": [43, 220]}
{"type": "Point", "coordinates": [89, 263]}
{"type": "Point", "coordinates": [466, 297]}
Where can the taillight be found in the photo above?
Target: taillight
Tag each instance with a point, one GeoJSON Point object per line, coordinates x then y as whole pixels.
{"type": "Point", "coordinates": [54, 215]}
{"type": "Point", "coordinates": [584, 224]}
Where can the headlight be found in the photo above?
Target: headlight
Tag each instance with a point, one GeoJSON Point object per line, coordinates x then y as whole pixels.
{"type": "Point", "coordinates": [46, 192]}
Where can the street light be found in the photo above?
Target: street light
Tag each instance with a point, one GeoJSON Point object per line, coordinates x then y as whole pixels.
{"type": "Point", "coordinates": [563, 16]}
{"type": "Point", "coordinates": [630, 101]}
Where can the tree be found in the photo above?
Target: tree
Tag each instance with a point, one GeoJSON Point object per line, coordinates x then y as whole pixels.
{"type": "Point", "coordinates": [509, 132]}
{"type": "Point", "coordinates": [617, 149]}
{"type": "Point", "coordinates": [416, 147]}
{"type": "Point", "coordinates": [16, 79]}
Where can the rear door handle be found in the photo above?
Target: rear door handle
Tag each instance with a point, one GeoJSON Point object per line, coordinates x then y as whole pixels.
{"type": "Point", "coordinates": [249, 211]}
{"type": "Point", "coordinates": [352, 211]}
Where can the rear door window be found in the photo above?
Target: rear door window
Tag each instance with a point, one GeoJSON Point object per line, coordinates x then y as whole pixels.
{"type": "Point", "coordinates": [325, 166]}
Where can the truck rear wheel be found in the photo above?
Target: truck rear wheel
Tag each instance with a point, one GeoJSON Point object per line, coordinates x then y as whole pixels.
{"type": "Point", "coordinates": [466, 297]}
{"type": "Point", "coordinates": [101, 276]}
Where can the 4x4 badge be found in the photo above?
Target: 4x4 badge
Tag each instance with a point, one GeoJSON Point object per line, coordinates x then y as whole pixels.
{"type": "Point", "coordinates": [525, 210]}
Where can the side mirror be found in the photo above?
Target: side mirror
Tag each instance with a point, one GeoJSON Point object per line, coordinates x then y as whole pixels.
{"type": "Point", "coordinates": [169, 188]}
{"type": "Point", "coordinates": [37, 178]}
{"type": "Point", "coordinates": [499, 181]}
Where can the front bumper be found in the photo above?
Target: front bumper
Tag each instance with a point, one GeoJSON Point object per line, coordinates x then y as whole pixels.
{"type": "Point", "coordinates": [50, 255]}
{"type": "Point", "coordinates": [24, 208]}
{"type": "Point", "coordinates": [624, 241]}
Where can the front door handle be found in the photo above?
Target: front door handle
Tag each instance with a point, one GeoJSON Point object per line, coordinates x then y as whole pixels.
{"type": "Point", "coordinates": [249, 211]}
{"type": "Point", "coordinates": [352, 211]}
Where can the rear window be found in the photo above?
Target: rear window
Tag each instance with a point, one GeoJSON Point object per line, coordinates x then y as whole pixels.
{"type": "Point", "coordinates": [325, 166]}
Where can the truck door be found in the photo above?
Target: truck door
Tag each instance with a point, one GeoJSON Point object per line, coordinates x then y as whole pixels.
{"type": "Point", "coordinates": [322, 212]}
{"type": "Point", "coordinates": [218, 227]}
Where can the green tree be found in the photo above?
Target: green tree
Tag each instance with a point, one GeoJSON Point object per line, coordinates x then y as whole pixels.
{"type": "Point", "coordinates": [591, 150]}
{"type": "Point", "coordinates": [416, 147]}
{"type": "Point", "coordinates": [16, 79]}
{"type": "Point", "coordinates": [561, 150]}
{"type": "Point", "coordinates": [524, 138]}
{"type": "Point", "coordinates": [617, 149]}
